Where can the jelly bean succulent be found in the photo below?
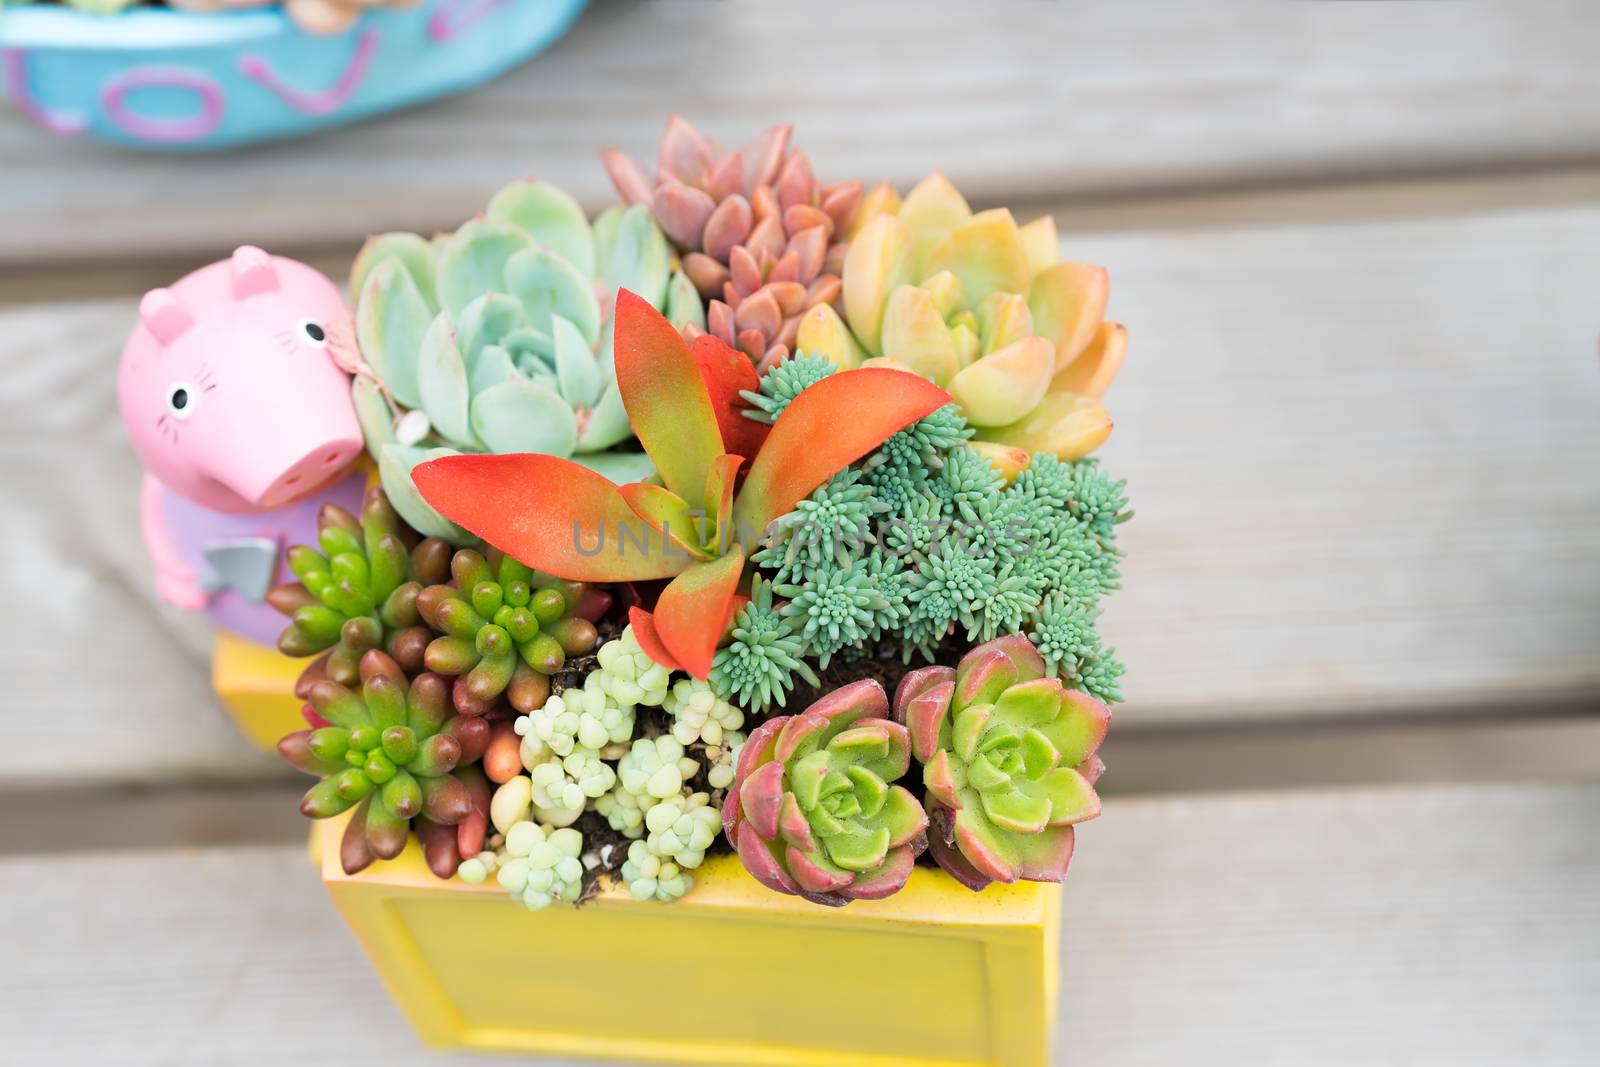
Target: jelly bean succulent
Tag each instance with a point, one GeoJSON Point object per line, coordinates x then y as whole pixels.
{"type": "Point", "coordinates": [1009, 762]}
{"type": "Point", "coordinates": [985, 308]}
{"type": "Point", "coordinates": [699, 527]}
{"type": "Point", "coordinates": [497, 338]}
{"type": "Point", "coordinates": [388, 752]}
{"type": "Point", "coordinates": [815, 811]}
{"type": "Point", "coordinates": [504, 629]}
{"type": "Point", "coordinates": [537, 865]}
{"type": "Point", "coordinates": [762, 239]}
{"type": "Point", "coordinates": [358, 589]}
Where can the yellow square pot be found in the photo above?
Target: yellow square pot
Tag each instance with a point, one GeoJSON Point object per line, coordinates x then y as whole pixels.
{"type": "Point", "coordinates": [256, 686]}
{"type": "Point", "coordinates": [735, 974]}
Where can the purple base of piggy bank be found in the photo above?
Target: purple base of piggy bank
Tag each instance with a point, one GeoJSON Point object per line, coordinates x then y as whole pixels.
{"type": "Point", "coordinates": [201, 537]}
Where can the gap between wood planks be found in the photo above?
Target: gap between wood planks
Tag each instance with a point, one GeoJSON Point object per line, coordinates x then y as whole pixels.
{"type": "Point", "coordinates": [1235, 205]}
{"type": "Point", "coordinates": [1563, 745]}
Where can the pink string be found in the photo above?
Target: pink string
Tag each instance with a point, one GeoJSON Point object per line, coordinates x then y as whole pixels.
{"type": "Point", "coordinates": [14, 62]}
{"type": "Point", "coordinates": [454, 17]}
{"type": "Point", "coordinates": [171, 130]}
{"type": "Point", "coordinates": [326, 101]}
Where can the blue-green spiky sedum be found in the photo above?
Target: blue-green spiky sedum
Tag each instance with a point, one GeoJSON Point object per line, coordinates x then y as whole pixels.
{"type": "Point", "coordinates": [931, 437]}
{"type": "Point", "coordinates": [1003, 608]}
{"type": "Point", "coordinates": [886, 574]}
{"type": "Point", "coordinates": [1066, 637]}
{"type": "Point", "coordinates": [1095, 500]}
{"type": "Point", "coordinates": [915, 529]}
{"type": "Point", "coordinates": [996, 524]}
{"type": "Point", "coordinates": [835, 609]}
{"type": "Point", "coordinates": [1102, 678]}
{"type": "Point", "coordinates": [831, 526]}
{"type": "Point", "coordinates": [924, 540]}
{"type": "Point", "coordinates": [757, 667]}
{"type": "Point", "coordinates": [898, 484]}
{"type": "Point", "coordinates": [948, 583]}
{"type": "Point", "coordinates": [784, 382]}
{"type": "Point", "coordinates": [970, 477]}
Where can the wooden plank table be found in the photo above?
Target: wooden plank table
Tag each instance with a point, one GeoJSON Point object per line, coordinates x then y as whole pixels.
{"type": "Point", "coordinates": [1092, 100]}
{"type": "Point", "coordinates": [1456, 925]}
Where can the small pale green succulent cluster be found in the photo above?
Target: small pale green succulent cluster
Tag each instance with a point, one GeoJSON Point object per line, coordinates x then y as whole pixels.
{"type": "Point", "coordinates": [497, 338]}
{"type": "Point", "coordinates": [653, 802]}
{"type": "Point", "coordinates": [536, 865]}
{"type": "Point", "coordinates": [581, 752]}
{"type": "Point", "coordinates": [929, 538]}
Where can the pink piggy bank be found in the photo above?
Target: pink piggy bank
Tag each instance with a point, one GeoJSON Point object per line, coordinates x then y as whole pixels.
{"type": "Point", "coordinates": [233, 394]}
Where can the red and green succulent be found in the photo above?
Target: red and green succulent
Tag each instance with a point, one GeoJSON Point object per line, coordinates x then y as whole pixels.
{"type": "Point", "coordinates": [814, 810]}
{"type": "Point", "coordinates": [698, 527]}
{"type": "Point", "coordinates": [388, 751]}
{"type": "Point", "coordinates": [1009, 762]}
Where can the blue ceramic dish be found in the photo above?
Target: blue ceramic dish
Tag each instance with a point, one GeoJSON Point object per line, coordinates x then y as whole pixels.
{"type": "Point", "coordinates": [158, 78]}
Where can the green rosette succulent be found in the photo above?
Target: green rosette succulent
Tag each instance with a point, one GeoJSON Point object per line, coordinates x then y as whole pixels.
{"type": "Point", "coordinates": [388, 752]}
{"type": "Point", "coordinates": [503, 629]}
{"type": "Point", "coordinates": [813, 810]}
{"type": "Point", "coordinates": [1009, 762]}
{"type": "Point", "coordinates": [497, 338]}
{"type": "Point", "coordinates": [358, 589]}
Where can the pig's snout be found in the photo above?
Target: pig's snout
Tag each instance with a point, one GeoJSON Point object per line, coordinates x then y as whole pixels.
{"type": "Point", "coordinates": [311, 471]}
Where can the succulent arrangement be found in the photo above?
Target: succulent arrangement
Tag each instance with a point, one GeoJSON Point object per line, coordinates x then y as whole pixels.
{"type": "Point", "coordinates": [675, 499]}
{"type": "Point", "coordinates": [313, 16]}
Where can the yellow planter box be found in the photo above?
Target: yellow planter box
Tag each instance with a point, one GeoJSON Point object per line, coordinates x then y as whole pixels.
{"type": "Point", "coordinates": [256, 685]}
{"type": "Point", "coordinates": [735, 974]}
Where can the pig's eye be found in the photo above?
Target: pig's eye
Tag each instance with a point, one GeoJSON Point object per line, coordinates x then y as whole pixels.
{"type": "Point", "coordinates": [182, 399]}
{"type": "Point", "coordinates": [312, 333]}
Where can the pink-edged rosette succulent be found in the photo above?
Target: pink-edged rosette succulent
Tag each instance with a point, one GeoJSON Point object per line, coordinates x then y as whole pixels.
{"type": "Point", "coordinates": [1009, 762]}
{"type": "Point", "coordinates": [813, 810]}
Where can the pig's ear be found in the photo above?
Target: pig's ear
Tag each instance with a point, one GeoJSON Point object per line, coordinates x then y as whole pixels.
{"type": "Point", "coordinates": [164, 316]}
{"type": "Point", "coordinates": [253, 272]}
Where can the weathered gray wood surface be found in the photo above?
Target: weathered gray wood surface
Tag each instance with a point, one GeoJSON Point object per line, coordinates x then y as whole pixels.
{"type": "Point", "coordinates": [1360, 456]}
{"type": "Point", "coordinates": [1427, 926]}
{"type": "Point", "coordinates": [1024, 99]}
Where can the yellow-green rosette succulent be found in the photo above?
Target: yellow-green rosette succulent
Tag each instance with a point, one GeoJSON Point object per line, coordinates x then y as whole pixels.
{"type": "Point", "coordinates": [1009, 762]}
{"type": "Point", "coordinates": [497, 338]}
{"type": "Point", "coordinates": [986, 309]}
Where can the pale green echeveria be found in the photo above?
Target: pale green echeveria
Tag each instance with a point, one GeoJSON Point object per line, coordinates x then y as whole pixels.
{"type": "Point", "coordinates": [497, 338]}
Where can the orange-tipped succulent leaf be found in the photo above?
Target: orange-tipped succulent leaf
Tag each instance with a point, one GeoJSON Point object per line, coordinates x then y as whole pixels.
{"type": "Point", "coordinates": [823, 430]}
{"type": "Point", "coordinates": [694, 609]}
{"type": "Point", "coordinates": [727, 373]}
{"type": "Point", "coordinates": [665, 396]}
{"type": "Point", "coordinates": [1092, 373]}
{"type": "Point", "coordinates": [549, 513]}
